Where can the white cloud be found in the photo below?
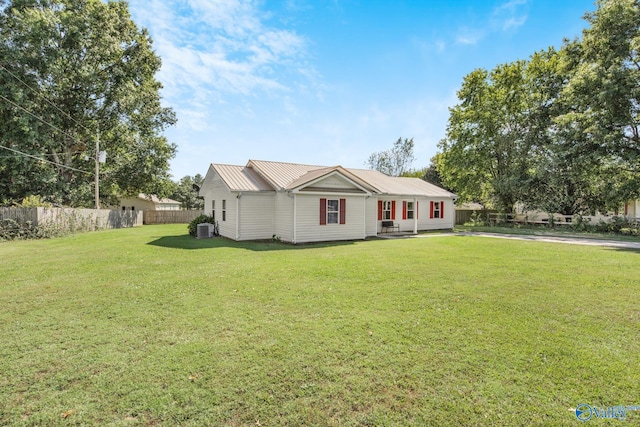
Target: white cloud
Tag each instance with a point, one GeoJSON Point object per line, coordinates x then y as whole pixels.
{"type": "Point", "coordinates": [469, 36]}
{"type": "Point", "coordinates": [223, 46]}
{"type": "Point", "coordinates": [507, 16]}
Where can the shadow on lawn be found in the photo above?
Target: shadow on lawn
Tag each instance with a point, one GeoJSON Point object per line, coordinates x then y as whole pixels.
{"type": "Point", "coordinates": [630, 250]}
{"type": "Point", "coordinates": [186, 241]}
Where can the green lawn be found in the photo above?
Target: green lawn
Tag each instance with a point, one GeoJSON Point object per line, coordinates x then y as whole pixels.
{"type": "Point", "coordinates": [149, 326]}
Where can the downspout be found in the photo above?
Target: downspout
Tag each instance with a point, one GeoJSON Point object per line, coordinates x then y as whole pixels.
{"type": "Point", "coordinates": [415, 215]}
{"type": "Point", "coordinates": [238, 216]}
{"type": "Point", "coordinates": [295, 219]}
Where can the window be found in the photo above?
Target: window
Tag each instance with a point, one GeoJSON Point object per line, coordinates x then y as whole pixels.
{"type": "Point", "coordinates": [437, 210]}
{"type": "Point", "coordinates": [213, 209]}
{"type": "Point", "coordinates": [386, 209]}
{"type": "Point", "coordinates": [333, 207]}
{"type": "Point", "coordinates": [409, 210]}
{"type": "Point", "coordinates": [224, 210]}
{"type": "Point", "coordinates": [333, 211]}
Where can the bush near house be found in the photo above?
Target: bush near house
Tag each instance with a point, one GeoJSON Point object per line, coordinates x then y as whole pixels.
{"type": "Point", "coordinates": [193, 225]}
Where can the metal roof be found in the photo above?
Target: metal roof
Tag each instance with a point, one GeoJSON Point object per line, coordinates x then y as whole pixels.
{"type": "Point", "coordinates": [241, 178]}
{"type": "Point", "coordinates": [401, 186]}
{"type": "Point", "coordinates": [280, 174]}
{"type": "Point", "coordinates": [260, 175]}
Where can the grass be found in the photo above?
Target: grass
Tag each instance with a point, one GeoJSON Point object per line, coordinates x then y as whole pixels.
{"type": "Point", "coordinates": [149, 326]}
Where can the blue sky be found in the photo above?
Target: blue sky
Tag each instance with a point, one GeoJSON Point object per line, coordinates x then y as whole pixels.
{"type": "Point", "coordinates": [329, 82]}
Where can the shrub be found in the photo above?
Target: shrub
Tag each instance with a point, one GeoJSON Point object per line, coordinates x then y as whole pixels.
{"type": "Point", "coordinates": [476, 220]}
{"type": "Point", "coordinates": [193, 225]}
{"type": "Point", "coordinates": [12, 230]}
{"type": "Point", "coordinates": [35, 201]}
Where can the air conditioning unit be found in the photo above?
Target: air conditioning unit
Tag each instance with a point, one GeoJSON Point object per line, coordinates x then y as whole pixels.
{"type": "Point", "coordinates": [204, 231]}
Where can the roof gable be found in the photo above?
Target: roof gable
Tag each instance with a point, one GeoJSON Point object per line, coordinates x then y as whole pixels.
{"type": "Point", "coordinates": [334, 178]}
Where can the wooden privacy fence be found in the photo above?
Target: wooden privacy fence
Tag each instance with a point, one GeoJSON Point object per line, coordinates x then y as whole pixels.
{"type": "Point", "coordinates": [72, 220]}
{"type": "Point", "coordinates": [463, 216]}
{"type": "Point", "coordinates": [171, 217]}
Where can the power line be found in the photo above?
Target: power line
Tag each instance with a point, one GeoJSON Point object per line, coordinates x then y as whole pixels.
{"type": "Point", "coordinates": [45, 160]}
{"type": "Point", "coordinates": [38, 118]}
{"type": "Point", "coordinates": [39, 92]}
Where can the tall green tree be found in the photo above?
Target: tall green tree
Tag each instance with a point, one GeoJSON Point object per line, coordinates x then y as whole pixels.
{"type": "Point", "coordinates": [186, 192]}
{"type": "Point", "coordinates": [561, 176]}
{"type": "Point", "coordinates": [603, 95]}
{"type": "Point", "coordinates": [395, 161]}
{"type": "Point", "coordinates": [72, 71]}
{"type": "Point", "coordinates": [484, 156]}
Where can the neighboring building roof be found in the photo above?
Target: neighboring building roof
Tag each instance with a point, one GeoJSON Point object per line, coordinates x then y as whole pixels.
{"type": "Point", "coordinates": [154, 199]}
{"type": "Point", "coordinates": [259, 175]}
{"type": "Point", "coordinates": [472, 206]}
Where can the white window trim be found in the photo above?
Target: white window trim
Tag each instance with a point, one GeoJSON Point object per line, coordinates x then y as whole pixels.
{"type": "Point", "coordinates": [386, 210]}
{"type": "Point", "coordinates": [336, 211]}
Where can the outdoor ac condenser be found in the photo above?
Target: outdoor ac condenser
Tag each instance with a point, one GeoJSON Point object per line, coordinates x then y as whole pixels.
{"type": "Point", "coordinates": [204, 231]}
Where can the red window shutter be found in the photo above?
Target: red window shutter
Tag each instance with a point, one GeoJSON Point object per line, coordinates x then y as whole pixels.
{"type": "Point", "coordinates": [323, 211]}
{"type": "Point", "coordinates": [393, 209]}
{"type": "Point", "coordinates": [379, 210]}
{"type": "Point", "coordinates": [404, 209]}
{"type": "Point", "coordinates": [431, 210]}
{"type": "Point", "coordinates": [441, 210]}
{"type": "Point", "coordinates": [416, 212]}
{"type": "Point", "coordinates": [343, 211]}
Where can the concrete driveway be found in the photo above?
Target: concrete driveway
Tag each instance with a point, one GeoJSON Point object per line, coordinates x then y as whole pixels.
{"type": "Point", "coordinates": [542, 238]}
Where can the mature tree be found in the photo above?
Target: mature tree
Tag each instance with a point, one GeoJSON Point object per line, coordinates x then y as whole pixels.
{"type": "Point", "coordinates": [186, 193]}
{"type": "Point", "coordinates": [395, 161]}
{"type": "Point", "coordinates": [72, 71]}
{"type": "Point", "coordinates": [484, 156]}
{"type": "Point", "coordinates": [559, 132]}
{"type": "Point", "coordinates": [603, 96]}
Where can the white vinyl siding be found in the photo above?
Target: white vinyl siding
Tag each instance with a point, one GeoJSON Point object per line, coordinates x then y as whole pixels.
{"type": "Point", "coordinates": [218, 191]}
{"type": "Point", "coordinates": [308, 228]}
{"type": "Point", "coordinates": [426, 223]}
{"type": "Point", "coordinates": [256, 216]}
{"type": "Point", "coordinates": [283, 216]}
{"type": "Point", "coordinates": [371, 216]}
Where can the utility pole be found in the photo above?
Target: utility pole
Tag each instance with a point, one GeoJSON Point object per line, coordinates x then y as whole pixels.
{"type": "Point", "coordinates": [97, 182]}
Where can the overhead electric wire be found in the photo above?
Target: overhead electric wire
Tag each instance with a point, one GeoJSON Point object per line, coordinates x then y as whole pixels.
{"type": "Point", "coordinates": [38, 117]}
{"type": "Point", "coordinates": [39, 93]}
{"type": "Point", "coordinates": [43, 121]}
{"type": "Point", "coordinates": [45, 160]}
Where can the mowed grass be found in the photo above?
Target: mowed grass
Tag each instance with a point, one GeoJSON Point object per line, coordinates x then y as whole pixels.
{"type": "Point", "coordinates": [149, 326]}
